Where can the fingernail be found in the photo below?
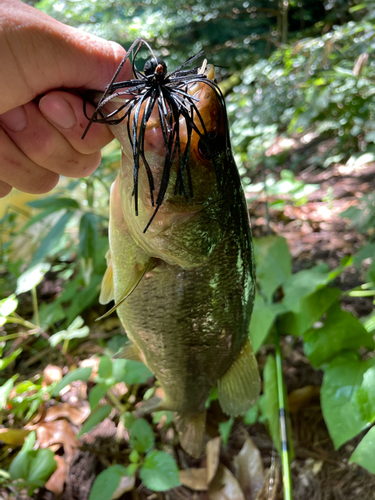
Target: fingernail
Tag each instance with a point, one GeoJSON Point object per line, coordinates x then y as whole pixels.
{"type": "Point", "coordinates": [15, 119]}
{"type": "Point", "coordinates": [58, 111]}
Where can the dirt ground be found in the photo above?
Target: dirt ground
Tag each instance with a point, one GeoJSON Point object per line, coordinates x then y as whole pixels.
{"type": "Point", "coordinates": [315, 233]}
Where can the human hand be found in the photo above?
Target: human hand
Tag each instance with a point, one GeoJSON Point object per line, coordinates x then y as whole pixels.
{"type": "Point", "coordinates": [41, 138]}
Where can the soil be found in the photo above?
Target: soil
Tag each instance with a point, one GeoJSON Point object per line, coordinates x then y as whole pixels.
{"type": "Point", "coordinates": [315, 233]}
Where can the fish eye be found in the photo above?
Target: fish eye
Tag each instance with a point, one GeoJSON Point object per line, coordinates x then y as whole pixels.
{"type": "Point", "coordinates": [208, 144]}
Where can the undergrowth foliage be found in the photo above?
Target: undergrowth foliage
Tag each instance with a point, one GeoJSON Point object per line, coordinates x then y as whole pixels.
{"type": "Point", "coordinates": [321, 84]}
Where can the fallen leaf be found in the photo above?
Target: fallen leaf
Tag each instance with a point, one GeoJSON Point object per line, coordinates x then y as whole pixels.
{"type": "Point", "coordinates": [14, 437]}
{"type": "Point", "coordinates": [301, 397]}
{"type": "Point", "coordinates": [213, 456]}
{"type": "Point", "coordinates": [195, 479]}
{"type": "Point", "coordinates": [126, 484]}
{"type": "Point", "coordinates": [64, 410]}
{"type": "Point", "coordinates": [57, 432]}
{"type": "Point", "coordinates": [56, 482]}
{"type": "Point", "coordinates": [92, 363]}
{"type": "Point", "coordinates": [51, 374]}
{"type": "Point", "coordinates": [249, 469]}
{"type": "Point", "coordinates": [224, 486]}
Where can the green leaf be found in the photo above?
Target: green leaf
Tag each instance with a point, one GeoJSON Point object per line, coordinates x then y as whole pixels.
{"type": "Point", "coordinates": [95, 418]}
{"type": "Point", "coordinates": [262, 319]}
{"type": "Point", "coordinates": [225, 430]}
{"type": "Point", "coordinates": [364, 454]}
{"type": "Point", "coordinates": [341, 331]}
{"type": "Point", "coordinates": [8, 305]}
{"type": "Point", "coordinates": [347, 399]}
{"type": "Point", "coordinates": [302, 284]}
{"type": "Point", "coordinates": [105, 367]}
{"type": "Point", "coordinates": [52, 201]}
{"type": "Point", "coordinates": [311, 309]}
{"type": "Point", "coordinates": [42, 466]}
{"type": "Point", "coordinates": [79, 374]}
{"type": "Point", "coordinates": [87, 236]}
{"type": "Point", "coordinates": [141, 436]}
{"type": "Point", "coordinates": [107, 482]}
{"type": "Point", "coordinates": [96, 394]}
{"type": "Point", "coordinates": [165, 417]}
{"type": "Point", "coordinates": [269, 401]}
{"type": "Point", "coordinates": [32, 277]}
{"type": "Point", "coordinates": [51, 240]}
{"type": "Point", "coordinates": [5, 391]}
{"type": "Point", "coordinates": [73, 332]}
{"type": "Point", "coordinates": [273, 263]}
{"type": "Point", "coordinates": [6, 361]}
{"type": "Point", "coordinates": [159, 471]}
{"type": "Point", "coordinates": [20, 465]}
{"type": "Point", "coordinates": [130, 372]}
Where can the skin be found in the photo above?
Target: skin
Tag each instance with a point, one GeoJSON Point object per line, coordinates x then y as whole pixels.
{"type": "Point", "coordinates": [41, 125]}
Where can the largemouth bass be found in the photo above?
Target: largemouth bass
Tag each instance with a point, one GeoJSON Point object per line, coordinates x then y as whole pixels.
{"type": "Point", "coordinates": [181, 265]}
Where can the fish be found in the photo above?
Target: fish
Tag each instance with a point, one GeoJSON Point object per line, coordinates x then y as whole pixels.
{"type": "Point", "coordinates": [180, 262]}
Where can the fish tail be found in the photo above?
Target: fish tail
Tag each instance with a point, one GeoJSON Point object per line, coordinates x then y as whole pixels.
{"type": "Point", "coordinates": [191, 432]}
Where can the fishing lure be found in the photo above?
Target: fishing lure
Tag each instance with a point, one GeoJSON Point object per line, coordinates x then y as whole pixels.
{"type": "Point", "coordinates": [169, 93]}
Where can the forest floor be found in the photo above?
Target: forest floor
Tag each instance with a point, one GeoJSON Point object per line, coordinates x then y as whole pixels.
{"type": "Point", "coordinates": [315, 233]}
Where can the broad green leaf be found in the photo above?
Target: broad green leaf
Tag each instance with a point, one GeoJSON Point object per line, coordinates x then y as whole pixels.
{"type": "Point", "coordinates": [52, 239]}
{"type": "Point", "coordinates": [165, 417]}
{"type": "Point", "coordinates": [105, 367]}
{"type": "Point", "coordinates": [5, 391]}
{"type": "Point", "coordinates": [95, 418]}
{"type": "Point", "coordinates": [341, 331]}
{"type": "Point", "coordinates": [107, 482]}
{"type": "Point", "coordinates": [6, 361]}
{"type": "Point", "coordinates": [364, 454]}
{"type": "Point", "coordinates": [53, 201]}
{"type": "Point", "coordinates": [141, 436]}
{"type": "Point", "coordinates": [311, 309]}
{"type": "Point", "coordinates": [130, 372]}
{"type": "Point", "coordinates": [96, 394]}
{"type": "Point", "coordinates": [87, 236]}
{"type": "Point", "coordinates": [8, 305]}
{"type": "Point", "coordinates": [79, 374]}
{"type": "Point", "coordinates": [347, 399]}
{"type": "Point", "coordinates": [262, 320]}
{"type": "Point", "coordinates": [32, 277]}
{"type": "Point", "coordinates": [302, 284]}
{"type": "Point", "coordinates": [269, 401]}
{"type": "Point", "coordinates": [42, 466]}
{"type": "Point", "coordinates": [251, 416]}
{"type": "Point", "coordinates": [20, 465]}
{"type": "Point", "coordinates": [273, 263]}
{"type": "Point", "coordinates": [128, 418]}
{"type": "Point", "coordinates": [159, 471]}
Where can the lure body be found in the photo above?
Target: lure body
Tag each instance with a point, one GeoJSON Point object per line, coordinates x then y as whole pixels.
{"type": "Point", "coordinates": [190, 276]}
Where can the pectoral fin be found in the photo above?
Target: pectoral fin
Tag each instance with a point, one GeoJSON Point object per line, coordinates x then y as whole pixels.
{"type": "Point", "coordinates": [130, 351]}
{"type": "Point", "coordinates": [238, 388]}
{"type": "Point", "coordinates": [134, 282]}
{"type": "Point", "coordinates": [107, 292]}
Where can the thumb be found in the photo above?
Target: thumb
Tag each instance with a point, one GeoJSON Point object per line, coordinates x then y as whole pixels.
{"type": "Point", "coordinates": [40, 54]}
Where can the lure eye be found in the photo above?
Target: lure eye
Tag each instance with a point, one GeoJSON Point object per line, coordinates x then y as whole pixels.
{"type": "Point", "coordinates": [155, 66]}
{"type": "Point", "coordinates": [208, 145]}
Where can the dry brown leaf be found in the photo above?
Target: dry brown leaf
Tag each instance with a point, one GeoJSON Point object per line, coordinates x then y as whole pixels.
{"type": "Point", "coordinates": [14, 437]}
{"type": "Point", "coordinates": [92, 363]}
{"type": "Point", "coordinates": [51, 373]}
{"type": "Point", "coordinates": [195, 479]}
{"type": "Point", "coordinates": [57, 432]}
{"type": "Point", "coordinates": [56, 482]}
{"type": "Point", "coordinates": [249, 469]}
{"type": "Point", "coordinates": [224, 486]}
{"type": "Point", "coordinates": [126, 484]}
{"type": "Point", "coordinates": [213, 456]}
{"type": "Point", "coordinates": [64, 410]}
{"type": "Point", "coordinates": [302, 396]}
